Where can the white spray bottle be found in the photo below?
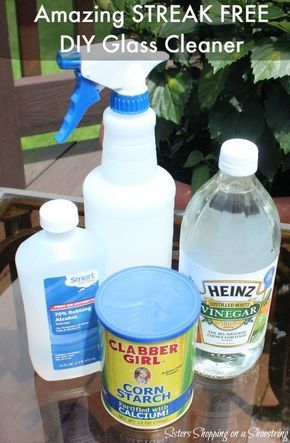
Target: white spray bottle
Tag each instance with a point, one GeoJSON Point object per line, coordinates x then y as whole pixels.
{"type": "Point", "coordinates": [129, 199]}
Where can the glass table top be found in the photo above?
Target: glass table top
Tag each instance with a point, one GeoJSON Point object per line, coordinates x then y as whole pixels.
{"type": "Point", "coordinates": [254, 407]}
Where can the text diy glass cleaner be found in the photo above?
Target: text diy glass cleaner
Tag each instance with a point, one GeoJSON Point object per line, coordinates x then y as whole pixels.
{"type": "Point", "coordinates": [230, 240]}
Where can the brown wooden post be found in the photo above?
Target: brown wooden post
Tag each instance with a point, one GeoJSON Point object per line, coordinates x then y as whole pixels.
{"type": "Point", "coordinates": [47, 99]}
{"type": "Point", "coordinates": [86, 29]}
{"type": "Point", "coordinates": [28, 37]}
{"type": "Point", "coordinates": [11, 161]}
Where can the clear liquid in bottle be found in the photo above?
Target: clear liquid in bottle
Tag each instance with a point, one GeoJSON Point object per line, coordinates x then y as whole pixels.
{"type": "Point", "coordinates": [229, 245]}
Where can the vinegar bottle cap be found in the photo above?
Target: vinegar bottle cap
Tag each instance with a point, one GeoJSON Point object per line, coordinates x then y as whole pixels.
{"type": "Point", "coordinates": [238, 157]}
{"type": "Point", "coordinates": [58, 216]}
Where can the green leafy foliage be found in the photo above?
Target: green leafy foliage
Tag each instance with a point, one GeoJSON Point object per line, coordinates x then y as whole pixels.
{"type": "Point", "coordinates": [209, 81]}
{"type": "Point", "coordinates": [169, 93]}
{"type": "Point", "coordinates": [275, 12]}
{"type": "Point", "coordinates": [269, 156]}
{"type": "Point", "coordinates": [164, 129]}
{"type": "Point", "coordinates": [284, 26]}
{"type": "Point", "coordinates": [285, 82]}
{"type": "Point", "coordinates": [224, 59]}
{"type": "Point", "coordinates": [202, 99]}
{"type": "Point", "coordinates": [169, 28]}
{"type": "Point", "coordinates": [286, 163]}
{"type": "Point", "coordinates": [194, 158]}
{"type": "Point", "coordinates": [215, 11]}
{"type": "Point", "coordinates": [278, 116]}
{"type": "Point", "coordinates": [234, 119]}
{"type": "Point", "coordinates": [271, 60]}
{"type": "Point", "coordinates": [200, 176]}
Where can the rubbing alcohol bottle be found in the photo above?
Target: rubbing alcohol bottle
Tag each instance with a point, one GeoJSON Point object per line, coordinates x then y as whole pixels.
{"type": "Point", "coordinates": [229, 245]}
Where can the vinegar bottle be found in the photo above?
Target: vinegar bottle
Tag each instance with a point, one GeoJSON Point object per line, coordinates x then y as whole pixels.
{"type": "Point", "coordinates": [229, 245]}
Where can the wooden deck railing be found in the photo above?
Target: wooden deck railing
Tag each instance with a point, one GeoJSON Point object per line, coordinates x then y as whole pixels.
{"type": "Point", "coordinates": [33, 104]}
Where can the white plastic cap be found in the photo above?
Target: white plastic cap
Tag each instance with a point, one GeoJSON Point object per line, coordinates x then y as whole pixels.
{"type": "Point", "coordinates": [238, 157]}
{"type": "Point", "coordinates": [58, 216]}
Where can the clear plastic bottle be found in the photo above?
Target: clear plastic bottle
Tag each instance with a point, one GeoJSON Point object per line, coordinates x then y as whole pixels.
{"type": "Point", "coordinates": [229, 245]}
{"type": "Point", "coordinates": [129, 199]}
{"type": "Point", "coordinates": [59, 270]}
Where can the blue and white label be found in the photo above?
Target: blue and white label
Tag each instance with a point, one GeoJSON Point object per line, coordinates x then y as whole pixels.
{"type": "Point", "coordinates": [74, 332]}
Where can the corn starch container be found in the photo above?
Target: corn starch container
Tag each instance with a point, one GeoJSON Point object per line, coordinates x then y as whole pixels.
{"type": "Point", "coordinates": [149, 316]}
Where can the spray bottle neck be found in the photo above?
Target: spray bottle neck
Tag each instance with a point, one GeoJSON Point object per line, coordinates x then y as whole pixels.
{"type": "Point", "coordinates": [129, 149]}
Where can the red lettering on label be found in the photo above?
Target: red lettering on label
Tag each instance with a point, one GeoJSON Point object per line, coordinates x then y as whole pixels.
{"type": "Point", "coordinates": [163, 350]}
{"type": "Point", "coordinates": [147, 353]}
{"type": "Point", "coordinates": [129, 358]}
{"type": "Point", "coordinates": [142, 350]}
{"type": "Point", "coordinates": [130, 350]}
{"type": "Point", "coordinates": [141, 359]}
{"type": "Point", "coordinates": [173, 348]}
{"type": "Point", "coordinates": [112, 343]}
{"type": "Point", "coordinates": [120, 347]}
{"type": "Point", "coordinates": [153, 350]}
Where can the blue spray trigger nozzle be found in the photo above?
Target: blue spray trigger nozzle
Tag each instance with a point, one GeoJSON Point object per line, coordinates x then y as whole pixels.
{"type": "Point", "coordinates": [124, 74]}
{"type": "Point", "coordinates": [70, 60]}
{"type": "Point", "coordinates": [85, 95]}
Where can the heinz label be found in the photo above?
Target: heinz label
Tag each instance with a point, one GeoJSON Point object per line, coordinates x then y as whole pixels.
{"type": "Point", "coordinates": [234, 309]}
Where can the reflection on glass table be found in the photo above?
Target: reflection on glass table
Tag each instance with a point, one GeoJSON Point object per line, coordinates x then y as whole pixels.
{"type": "Point", "coordinates": [253, 407]}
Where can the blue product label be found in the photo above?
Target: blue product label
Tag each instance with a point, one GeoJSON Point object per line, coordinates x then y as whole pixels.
{"type": "Point", "coordinates": [74, 332]}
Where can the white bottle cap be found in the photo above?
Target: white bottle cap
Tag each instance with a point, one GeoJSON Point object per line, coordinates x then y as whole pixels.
{"type": "Point", "coordinates": [58, 216]}
{"type": "Point", "coordinates": [238, 157]}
